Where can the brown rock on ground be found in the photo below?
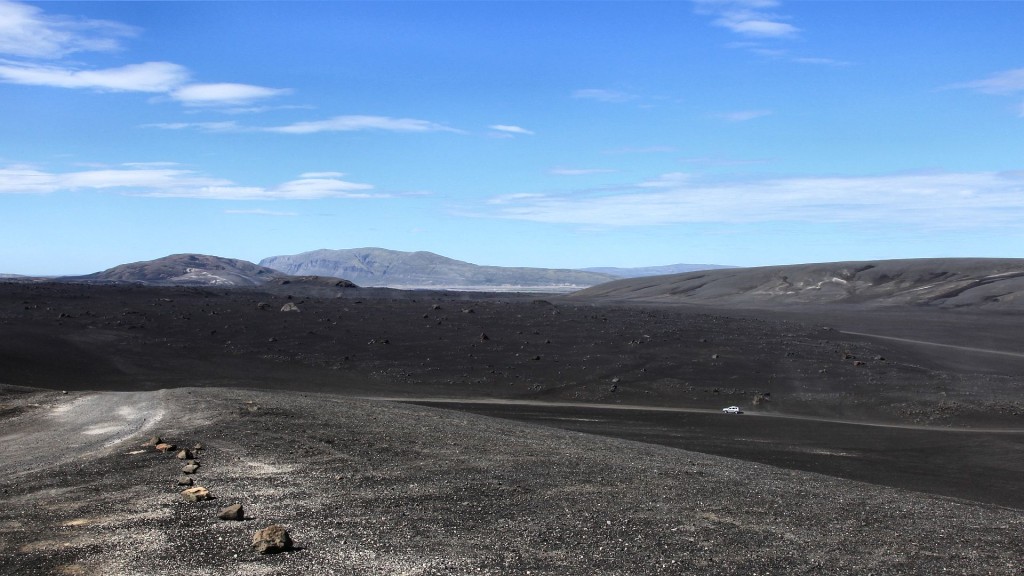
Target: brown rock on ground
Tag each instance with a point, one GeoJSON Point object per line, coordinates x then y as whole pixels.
{"type": "Point", "coordinates": [184, 455]}
{"type": "Point", "coordinates": [165, 447]}
{"type": "Point", "coordinates": [233, 512]}
{"type": "Point", "coordinates": [196, 494]}
{"type": "Point", "coordinates": [185, 481]}
{"type": "Point", "coordinates": [271, 540]}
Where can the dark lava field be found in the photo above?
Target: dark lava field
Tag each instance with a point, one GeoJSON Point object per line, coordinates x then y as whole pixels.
{"type": "Point", "coordinates": [845, 408]}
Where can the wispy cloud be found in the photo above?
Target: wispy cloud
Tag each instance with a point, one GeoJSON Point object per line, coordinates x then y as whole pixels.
{"type": "Point", "coordinates": [225, 126]}
{"type": "Point", "coordinates": [562, 171]}
{"type": "Point", "coordinates": [223, 94]}
{"type": "Point", "coordinates": [950, 200]}
{"type": "Point", "coordinates": [177, 183]}
{"type": "Point", "coordinates": [510, 129]}
{"type": "Point", "coordinates": [27, 32]}
{"type": "Point", "coordinates": [37, 41]}
{"type": "Point", "coordinates": [603, 95]}
{"type": "Point", "coordinates": [145, 77]}
{"type": "Point", "coordinates": [748, 18]}
{"type": "Point", "coordinates": [1007, 82]}
{"type": "Point", "coordinates": [744, 115]}
{"type": "Point", "coordinates": [356, 123]}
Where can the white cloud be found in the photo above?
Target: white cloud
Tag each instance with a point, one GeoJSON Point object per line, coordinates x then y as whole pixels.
{"type": "Point", "coordinates": [146, 77]}
{"type": "Point", "coordinates": [223, 94]}
{"type": "Point", "coordinates": [560, 171]}
{"type": "Point", "coordinates": [30, 35]}
{"type": "Point", "coordinates": [821, 61]}
{"type": "Point", "coordinates": [356, 123]}
{"type": "Point", "coordinates": [506, 128]}
{"type": "Point", "coordinates": [226, 126]}
{"type": "Point", "coordinates": [943, 200]}
{"type": "Point", "coordinates": [750, 25]}
{"type": "Point", "coordinates": [744, 115]}
{"type": "Point", "coordinates": [26, 32]}
{"type": "Point", "coordinates": [1007, 82]}
{"type": "Point", "coordinates": [602, 95]}
{"type": "Point", "coordinates": [177, 183]}
{"type": "Point", "coordinates": [747, 18]}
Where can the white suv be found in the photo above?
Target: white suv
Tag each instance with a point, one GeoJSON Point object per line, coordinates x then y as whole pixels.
{"type": "Point", "coordinates": [732, 410]}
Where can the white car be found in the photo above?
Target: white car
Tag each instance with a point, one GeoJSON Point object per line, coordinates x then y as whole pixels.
{"type": "Point", "coordinates": [732, 410]}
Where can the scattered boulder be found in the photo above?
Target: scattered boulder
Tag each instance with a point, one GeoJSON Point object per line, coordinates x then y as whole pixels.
{"type": "Point", "coordinates": [233, 512]}
{"type": "Point", "coordinates": [271, 540]}
{"type": "Point", "coordinates": [185, 480]}
{"type": "Point", "coordinates": [197, 447]}
{"type": "Point", "coordinates": [185, 454]}
{"type": "Point", "coordinates": [165, 447]}
{"type": "Point", "coordinates": [196, 494]}
{"type": "Point", "coordinates": [190, 468]}
{"type": "Point", "coordinates": [289, 307]}
{"type": "Point", "coordinates": [263, 306]}
{"type": "Point", "coordinates": [153, 441]}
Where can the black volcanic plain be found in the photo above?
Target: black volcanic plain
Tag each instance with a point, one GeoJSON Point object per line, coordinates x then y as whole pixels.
{"type": "Point", "coordinates": [879, 436]}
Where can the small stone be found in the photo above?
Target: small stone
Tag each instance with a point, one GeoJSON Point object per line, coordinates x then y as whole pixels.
{"type": "Point", "coordinates": [196, 494]}
{"type": "Point", "coordinates": [197, 447]}
{"type": "Point", "coordinates": [271, 540]}
{"type": "Point", "coordinates": [153, 441]}
{"type": "Point", "coordinates": [233, 512]}
{"type": "Point", "coordinates": [190, 468]}
{"type": "Point", "coordinates": [165, 447]}
{"type": "Point", "coordinates": [289, 307]}
{"type": "Point", "coordinates": [185, 481]}
{"type": "Point", "coordinates": [185, 455]}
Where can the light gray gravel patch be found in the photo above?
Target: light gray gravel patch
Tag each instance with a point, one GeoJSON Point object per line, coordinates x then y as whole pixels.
{"type": "Point", "coordinates": [374, 488]}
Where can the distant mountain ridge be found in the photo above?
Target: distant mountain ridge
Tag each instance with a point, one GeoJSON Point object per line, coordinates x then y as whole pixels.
{"type": "Point", "coordinates": [185, 270]}
{"type": "Point", "coordinates": [946, 283]}
{"type": "Point", "coordinates": [396, 269]}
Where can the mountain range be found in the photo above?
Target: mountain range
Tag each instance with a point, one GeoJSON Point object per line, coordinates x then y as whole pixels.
{"type": "Point", "coordinates": [395, 269]}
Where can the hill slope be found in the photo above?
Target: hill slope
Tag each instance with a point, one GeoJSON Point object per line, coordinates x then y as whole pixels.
{"type": "Point", "coordinates": [186, 270]}
{"type": "Point", "coordinates": [947, 283]}
{"type": "Point", "coordinates": [380, 267]}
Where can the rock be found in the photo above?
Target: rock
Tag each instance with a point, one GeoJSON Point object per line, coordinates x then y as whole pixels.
{"type": "Point", "coordinates": [185, 455]}
{"type": "Point", "coordinates": [858, 362]}
{"type": "Point", "coordinates": [185, 481]}
{"type": "Point", "coordinates": [190, 468]}
{"type": "Point", "coordinates": [165, 447]}
{"type": "Point", "coordinates": [263, 306]}
{"type": "Point", "coordinates": [233, 512]}
{"type": "Point", "coordinates": [290, 307]}
{"type": "Point", "coordinates": [271, 540]}
{"type": "Point", "coordinates": [484, 337]}
{"type": "Point", "coordinates": [197, 447]}
{"type": "Point", "coordinates": [196, 494]}
{"type": "Point", "coordinates": [153, 441]}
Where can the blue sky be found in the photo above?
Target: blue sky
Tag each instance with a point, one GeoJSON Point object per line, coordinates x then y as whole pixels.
{"type": "Point", "coordinates": [552, 134]}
